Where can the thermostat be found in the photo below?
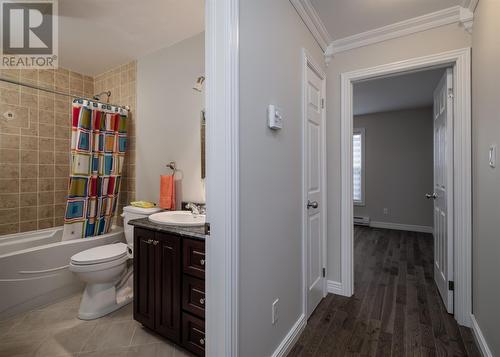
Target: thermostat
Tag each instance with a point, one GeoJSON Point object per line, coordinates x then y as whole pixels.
{"type": "Point", "coordinates": [274, 117]}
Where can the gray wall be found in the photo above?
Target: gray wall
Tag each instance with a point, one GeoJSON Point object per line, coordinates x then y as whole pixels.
{"type": "Point", "coordinates": [429, 42]}
{"type": "Point", "coordinates": [272, 36]}
{"type": "Point", "coordinates": [168, 120]}
{"type": "Point", "coordinates": [398, 166]}
{"type": "Point", "coordinates": [486, 181]}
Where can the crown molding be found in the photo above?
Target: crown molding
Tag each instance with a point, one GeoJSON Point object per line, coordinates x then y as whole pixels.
{"type": "Point", "coordinates": [455, 14]}
{"type": "Point", "coordinates": [313, 22]}
{"type": "Point", "coordinates": [470, 4]}
{"type": "Point", "coordinates": [466, 18]}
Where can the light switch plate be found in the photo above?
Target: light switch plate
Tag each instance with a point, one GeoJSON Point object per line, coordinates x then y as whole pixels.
{"type": "Point", "coordinates": [274, 117]}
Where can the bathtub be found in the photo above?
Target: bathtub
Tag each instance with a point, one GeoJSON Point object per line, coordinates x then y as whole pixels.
{"type": "Point", "coordinates": [34, 267]}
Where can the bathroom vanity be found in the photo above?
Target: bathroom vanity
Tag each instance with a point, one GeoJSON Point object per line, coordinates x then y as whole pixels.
{"type": "Point", "coordinates": [169, 282]}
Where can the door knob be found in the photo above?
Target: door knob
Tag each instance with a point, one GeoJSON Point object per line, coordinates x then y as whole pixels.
{"type": "Point", "coordinates": [432, 196]}
{"type": "Point", "coordinates": [312, 204]}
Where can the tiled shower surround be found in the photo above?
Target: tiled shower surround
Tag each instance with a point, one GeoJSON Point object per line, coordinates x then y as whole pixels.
{"type": "Point", "coordinates": [121, 81]}
{"type": "Point", "coordinates": [35, 142]}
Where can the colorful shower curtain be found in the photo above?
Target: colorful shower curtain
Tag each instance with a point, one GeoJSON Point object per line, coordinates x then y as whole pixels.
{"type": "Point", "coordinates": [98, 145]}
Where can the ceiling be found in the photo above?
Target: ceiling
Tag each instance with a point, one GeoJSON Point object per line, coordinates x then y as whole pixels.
{"type": "Point", "coordinates": [344, 18]}
{"type": "Point", "coordinates": [408, 91]}
{"type": "Point", "coordinates": [97, 35]}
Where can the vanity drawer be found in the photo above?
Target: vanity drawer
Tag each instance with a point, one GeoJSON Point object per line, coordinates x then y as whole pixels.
{"type": "Point", "coordinates": [193, 334]}
{"type": "Point", "coordinates": [194, 258]}
{"type": "Point", "coordinates": [193, 296]}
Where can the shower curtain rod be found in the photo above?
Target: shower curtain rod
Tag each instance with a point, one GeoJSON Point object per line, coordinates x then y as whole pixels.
{"type": "Point", "coordinates": [126, 107]}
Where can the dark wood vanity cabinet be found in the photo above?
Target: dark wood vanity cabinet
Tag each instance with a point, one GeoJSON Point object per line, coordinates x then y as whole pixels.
{"type": "Point", "coordinates": [157, 282]}
{"type": "Point", "coordinates": [144, 277]}
{"type": "Point", "coordinates": [169, 287]}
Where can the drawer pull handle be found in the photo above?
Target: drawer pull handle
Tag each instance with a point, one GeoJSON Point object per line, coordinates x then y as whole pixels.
{"type": "Point", "coordinates": [149, 241]}
{"type": "Point", "coordinates": [202, 261]}
{"type": "Point", "coordinates": [155, 242]}
{"type": "Point", "coordinates": [202, 341]}
{"type": "Point", "coordinates": [202, 301]}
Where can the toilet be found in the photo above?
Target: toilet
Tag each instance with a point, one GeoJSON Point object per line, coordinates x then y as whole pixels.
{"type": "Point", "coordinates": [105, 269]}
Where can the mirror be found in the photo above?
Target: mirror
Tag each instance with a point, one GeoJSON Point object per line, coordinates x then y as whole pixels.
{"type": "Point", "coordinates": [202, 138]}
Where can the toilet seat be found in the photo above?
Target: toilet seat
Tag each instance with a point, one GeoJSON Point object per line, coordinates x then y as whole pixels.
{"type": "Point", "coordinates": [99, 258]}
{"type": "Point", "coordinates": [101, 254]}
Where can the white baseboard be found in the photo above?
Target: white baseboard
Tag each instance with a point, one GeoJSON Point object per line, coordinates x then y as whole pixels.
{"type": "Point", "coordinates": [481, 341]}
{"type": "Point", "coordinates": [335, 287]}
{"type": "Point", "coordinates": [402, 227]}
{"type": "Point", "coordinates": [291, 338]}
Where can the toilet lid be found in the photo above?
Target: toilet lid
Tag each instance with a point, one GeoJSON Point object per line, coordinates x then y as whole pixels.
{"type": "Point", "coordinates": [101, 254]}
{"type": "Point", "coordinates": [139, 210]}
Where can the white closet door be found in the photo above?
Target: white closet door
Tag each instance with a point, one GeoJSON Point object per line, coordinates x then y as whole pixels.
{"type": "Point", "coordinates": [443, 188]}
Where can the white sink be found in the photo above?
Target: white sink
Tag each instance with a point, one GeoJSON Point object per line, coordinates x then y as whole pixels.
{"type": "Point", "coordinates": [178, 218]}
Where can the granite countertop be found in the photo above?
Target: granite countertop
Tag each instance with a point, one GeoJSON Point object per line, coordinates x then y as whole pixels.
{"type": "Point", "coordinates": [188, 232]}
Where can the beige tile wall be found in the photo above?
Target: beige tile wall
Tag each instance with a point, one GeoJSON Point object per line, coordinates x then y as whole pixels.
{"type": "Point", "coordinates": [35, 143]}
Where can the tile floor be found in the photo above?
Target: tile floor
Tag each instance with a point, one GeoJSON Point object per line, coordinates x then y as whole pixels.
{"type": "Point", "coordinates": [55, 331]}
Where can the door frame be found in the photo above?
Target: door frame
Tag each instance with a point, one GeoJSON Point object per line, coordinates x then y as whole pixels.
{"type": "Point", "coordinates": [462, 151]}
{"type": "Point", "coordinates": [309, 61]}
{"type": "Point", "coordinates": [222, 176]}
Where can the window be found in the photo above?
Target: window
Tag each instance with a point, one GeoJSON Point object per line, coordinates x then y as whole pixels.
{"type": "Point", "coordinates": [358, 151]}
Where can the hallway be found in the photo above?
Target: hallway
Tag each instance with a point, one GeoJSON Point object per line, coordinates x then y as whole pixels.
{"type": "Point", "coordinates": [396, 309]}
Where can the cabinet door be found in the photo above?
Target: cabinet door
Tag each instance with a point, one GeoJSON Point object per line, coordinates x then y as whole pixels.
{"type": "Point", "coordinates": [144, 282]}
{"type": "Point", "coordinates": [168, 286]}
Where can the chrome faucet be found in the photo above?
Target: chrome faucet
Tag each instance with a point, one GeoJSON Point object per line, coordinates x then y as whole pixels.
{"type": "Point", "coordinates": [195, 209]}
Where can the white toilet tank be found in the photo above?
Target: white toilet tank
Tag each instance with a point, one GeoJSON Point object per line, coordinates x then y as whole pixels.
{"type": "Point", "coordinates": [131, 212]}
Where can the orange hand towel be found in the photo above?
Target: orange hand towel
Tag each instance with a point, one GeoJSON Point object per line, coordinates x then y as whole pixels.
{"type": "Point", "coordinates": [167, 192]}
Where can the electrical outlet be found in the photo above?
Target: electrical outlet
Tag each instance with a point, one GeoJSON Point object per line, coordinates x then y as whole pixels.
{"type": "Point", "coordinates": [386, 211]}
{"type": "Point", "coordinates": [274, 313]}
{"type": "Point", "coordinates": [492, 156]}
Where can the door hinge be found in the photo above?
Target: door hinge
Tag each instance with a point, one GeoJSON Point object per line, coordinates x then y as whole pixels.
{"type": "Point", "coordinates": [324, 272]}
{"type": "Point", "coordinates": [207, 228]}
{"type": "Point", "coordinates": [451, 95]}
{"type": "Point", "coordinates": [322, 103]}
{"type": "Point", "coordinates": [451, 285]}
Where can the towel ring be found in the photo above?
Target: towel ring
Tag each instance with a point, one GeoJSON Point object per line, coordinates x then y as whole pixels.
{"type": "Point", "coordinates": [171, 166]}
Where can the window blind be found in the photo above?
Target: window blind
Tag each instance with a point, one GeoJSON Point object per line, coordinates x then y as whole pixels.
{"type": "Point", "coordinates": [357, 167]}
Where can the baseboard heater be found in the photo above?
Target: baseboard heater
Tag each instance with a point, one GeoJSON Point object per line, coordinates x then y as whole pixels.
{"type": "Point", "coordinates": [361, 221]}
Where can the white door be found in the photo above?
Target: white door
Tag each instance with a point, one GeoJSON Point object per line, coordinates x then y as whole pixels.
{"type": "Point", "coordinates": [315, 279]}
{"type": "Point", "coordinates": [443, 188]}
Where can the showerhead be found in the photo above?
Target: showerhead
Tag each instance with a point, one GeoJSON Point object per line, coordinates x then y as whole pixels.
{"type": "Point", "coordinates": [106, 93]}
{"type": "Point", "coordinates": [199, 84]}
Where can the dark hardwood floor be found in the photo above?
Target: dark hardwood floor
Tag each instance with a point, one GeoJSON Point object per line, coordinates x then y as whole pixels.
{"type": "Point", "coordinates": [396, 309]}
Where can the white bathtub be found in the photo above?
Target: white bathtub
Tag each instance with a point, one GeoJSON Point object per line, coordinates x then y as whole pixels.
{"type": "Point", "coordinates": [34, 267]}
